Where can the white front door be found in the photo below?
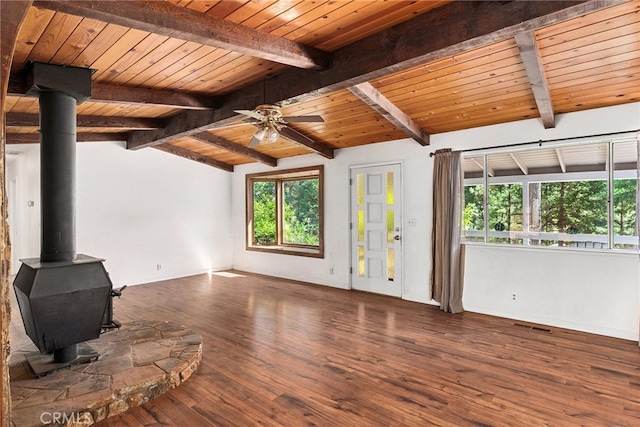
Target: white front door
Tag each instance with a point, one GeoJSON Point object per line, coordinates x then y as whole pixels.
{"type": "Point", "coordinates": [376, 233]}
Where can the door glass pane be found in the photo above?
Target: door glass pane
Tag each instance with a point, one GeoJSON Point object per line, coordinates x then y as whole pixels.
{"type": "Point", "coordinates": [360, 261]}
{"type": "Point", "coordinates": [390, 224]}
{"type": "Point", "coordinates": [390, 264]}
{"type": "Point", "coordinates": [389, 188]}
{"type": "Point", "coordinates": [360, 225]}
{"type": "Point", "coordinates": [360, 189]}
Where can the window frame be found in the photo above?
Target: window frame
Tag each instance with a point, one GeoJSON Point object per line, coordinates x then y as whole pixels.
{"type": "Point", "coordinates": [610, 176]}
{"type": "Point", "coordinates": [279, 177]}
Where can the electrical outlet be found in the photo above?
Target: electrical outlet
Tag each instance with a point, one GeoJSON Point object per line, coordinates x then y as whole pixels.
{"type": "Point", "coordinates": [159, 267]}
{"type": "Point", "coordinates": [331, 270]}
{"type": "Point", "coordinates": [514, 296]}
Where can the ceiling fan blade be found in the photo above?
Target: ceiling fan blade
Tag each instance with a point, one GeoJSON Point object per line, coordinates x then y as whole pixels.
{"type": "Point", "coordinates": [296, 136]}
{"type": "Point", "coordinates": [252, 114]}
{"type": "Point", "coordinates": [301, 119]}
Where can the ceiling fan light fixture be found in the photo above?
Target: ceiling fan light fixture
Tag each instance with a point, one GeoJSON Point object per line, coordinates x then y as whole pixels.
{"type": "Point", "coordinates": [261, 134]}
{"type": "Point", "coordinates": [272, 134]}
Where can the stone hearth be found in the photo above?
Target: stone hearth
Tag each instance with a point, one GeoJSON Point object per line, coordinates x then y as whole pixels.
{"type": "Point", "coordinates": [137, 363]}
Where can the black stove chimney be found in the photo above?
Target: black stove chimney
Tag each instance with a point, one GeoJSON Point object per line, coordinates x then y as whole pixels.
{"type": "Point", "coordinates": [62, 295]}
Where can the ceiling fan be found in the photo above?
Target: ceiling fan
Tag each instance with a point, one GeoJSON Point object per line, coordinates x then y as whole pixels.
{"type": "Point", "coordinates": [271, 124]}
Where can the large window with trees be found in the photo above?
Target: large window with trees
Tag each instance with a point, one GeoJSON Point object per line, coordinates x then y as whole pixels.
{"type": "Point", "coordinates": [574, 195]}
{"type": "Point", "coordinates": [284, 211]}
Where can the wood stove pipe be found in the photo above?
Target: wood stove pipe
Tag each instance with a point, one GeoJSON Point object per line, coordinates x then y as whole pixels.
{"type": "Point", "coordinates": [57, 176]}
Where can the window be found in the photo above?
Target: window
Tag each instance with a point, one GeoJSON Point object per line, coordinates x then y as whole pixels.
{"type": "Point", "coordinates": [284, 212]}
{"type": "Point", "coordinates": [554, 195]}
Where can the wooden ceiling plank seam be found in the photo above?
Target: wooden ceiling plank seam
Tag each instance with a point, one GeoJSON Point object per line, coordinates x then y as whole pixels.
{"type": "Point", "coordinates": [467, 95]}
{"type": "Point", "coordinates": [116, 51]}
{"type": "Point", "coordinates": [205, 82]}
{"type": "Point", "coordinates": [506, 76]}
{"type": "Point", "coordinates": [447, 65]}
{"type": "Point", "coordinates": [446, 106]}
{"type": "Point", "coordinates": [423, 39]}
{"type": "Point", "coordinates": [54, 36]}
{"type": "Point", "coordinates": [84, 33]}
{"type": "Point", "coordinates": [161, 68]}
{"type": "Point", "coordinates": [604, 62]}
{"type": "Point", "coordinates": [488, 110]}
{"type": "Point", "coordinates": [373, 98]}
{"type": "Point", "coordinates": [351, 14]}
{"type": "Point", "coordinates": [308, 22]}
{"type": "Point", "coordinates": [223, 8]}
{"type": "Point", "coordinates": [283, 14]}
{"type": "Point", "coordinates": [191, 80]}
{"type": "Point", "coordinates": [591, 75]}
{"type": "Point", "coordinates": [208, 138]}
{"type": "Point", "coordinates": [248, 12]}
{"type": "Point", "coordinates": [33, 120]}
{"type": "Point", "coordinates": [142, 58]}
{"type": "Point", "coordinates": [606, 34]}
{"type": "Point", "coordinates": [535, 70]}
{"type": "Point", "coordinates": [611, 55]}
{"type": "Point", "coordinates": [34, 25]}
{"type": "Point", "coordinates": [174, 21]}
{"type": "Point", "coordinates": [201, 6]}
{"type": "Point", "coordinates": [181, 152]}
{"type": "Point", "coordinates": [199, 62]}
{"type": "Point", "coordinates": [109, 35]}
{"type": "Point", "coordinates": [554, 33]}
{"type": "Point", "coordinates": [373, 23]}
{"type": "Point", "coordinates": [591, 91]}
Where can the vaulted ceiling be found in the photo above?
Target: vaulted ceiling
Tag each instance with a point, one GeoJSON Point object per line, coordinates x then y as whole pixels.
{"type": "Point", "coordinates": [172, 74]}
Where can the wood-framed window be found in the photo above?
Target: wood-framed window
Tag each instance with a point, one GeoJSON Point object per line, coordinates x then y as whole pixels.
{"type": "Point", "coordinates": [285, 211]}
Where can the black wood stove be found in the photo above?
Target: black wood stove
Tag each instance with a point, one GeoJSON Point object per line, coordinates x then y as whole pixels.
{"type": "Point", "coordinates": [63, 296]}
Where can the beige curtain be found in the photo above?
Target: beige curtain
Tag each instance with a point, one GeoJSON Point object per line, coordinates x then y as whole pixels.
{"type": "Point", "coordinates": [447, 254]}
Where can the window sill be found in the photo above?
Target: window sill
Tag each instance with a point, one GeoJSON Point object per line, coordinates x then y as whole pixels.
{"type": "Point", "coordinates": [289, 250]}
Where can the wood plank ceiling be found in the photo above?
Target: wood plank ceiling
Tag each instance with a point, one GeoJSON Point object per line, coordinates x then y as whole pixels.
{"type": "Point", "coordinates": [170, 74]}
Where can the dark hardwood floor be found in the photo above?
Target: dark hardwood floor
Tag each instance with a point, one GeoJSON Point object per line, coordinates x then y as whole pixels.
{"type": "Point", "coordinates": [283, 353]}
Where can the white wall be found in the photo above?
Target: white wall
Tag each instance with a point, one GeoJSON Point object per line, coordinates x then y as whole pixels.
{"type": "Point", "coordinates": [592, 292]}
{"type": "Point", "coordinates": [136, 209]}
{"type": "Point", "coordinates": [143, 208]}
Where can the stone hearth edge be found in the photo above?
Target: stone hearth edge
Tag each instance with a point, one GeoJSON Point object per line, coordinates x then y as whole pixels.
{"type": "Point", "coordinates": [138, 362]}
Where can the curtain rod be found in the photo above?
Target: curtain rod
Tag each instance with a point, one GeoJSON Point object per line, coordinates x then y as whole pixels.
{"type": "Point", "coordinates": [544, 141]}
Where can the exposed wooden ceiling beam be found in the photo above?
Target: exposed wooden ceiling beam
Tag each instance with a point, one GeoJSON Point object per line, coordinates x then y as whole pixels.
{"type": "Point", "coordinates": [530, 55]}
{"type": "Point", "coordinates": [14, 120]}
{"type": "Point", "coordinates": [164, 18]}
{"type": "Point", "coordinates": [425, 38]}
{"type": "Point", "coordinates": [34, 138]}
{"type": "Point", "coordinates": [377, 101]}
{"type": "Point", "coordinates": [181, 152]}
{"type": "Point", "coordinates": [225, 144]}
{"type": "Point", "coordinates": [110, 93]}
